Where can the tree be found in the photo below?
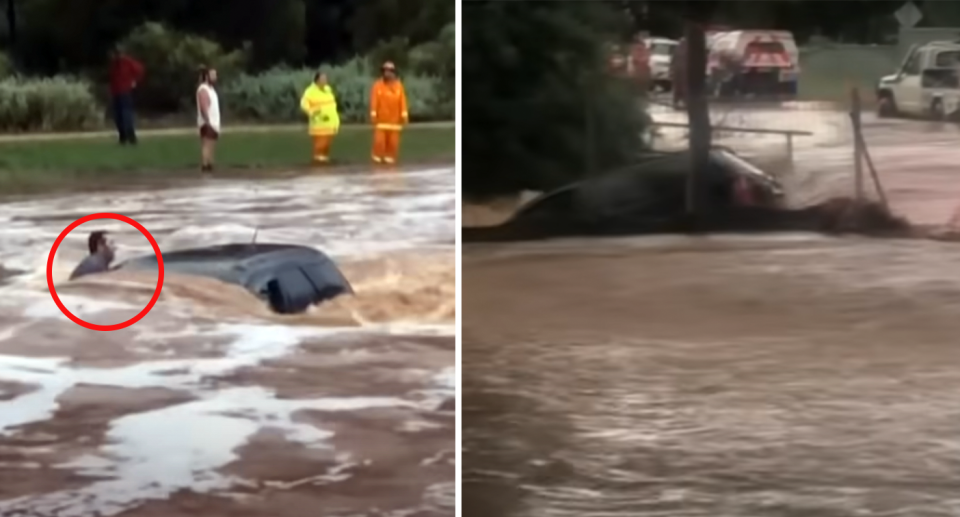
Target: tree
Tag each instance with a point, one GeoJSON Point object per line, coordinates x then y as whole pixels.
{"type": "Point", "coordinates": [414, 21]}
{"type": "Point", "coordinates": [535, 81]}
{"type": "Point", "coordinates": [863, 21]}
{"type": "Point", "coordinates": [12, 21]}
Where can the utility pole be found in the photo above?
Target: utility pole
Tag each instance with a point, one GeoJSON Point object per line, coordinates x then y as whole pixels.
{"type": "Point", "coordinates": [698, 112]}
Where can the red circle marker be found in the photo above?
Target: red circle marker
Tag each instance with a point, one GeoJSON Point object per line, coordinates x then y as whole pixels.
{"type": "Point", "coordinates": [156, 293]}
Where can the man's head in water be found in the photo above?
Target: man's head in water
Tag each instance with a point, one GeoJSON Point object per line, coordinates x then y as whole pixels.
{"type": "Point", "coordinates": [98, 244]}
{"type": "Point", "coordinates": [100, 257]}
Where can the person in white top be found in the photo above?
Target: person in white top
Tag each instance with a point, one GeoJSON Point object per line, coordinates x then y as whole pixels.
{"type": "Point", "coordinates": [208, 117]}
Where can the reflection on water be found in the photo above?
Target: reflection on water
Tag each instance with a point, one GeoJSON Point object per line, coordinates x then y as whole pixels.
{"type": "Point", "coordinates": [211, 392]}
{"type": "Point", "coordinates": [715, 376]}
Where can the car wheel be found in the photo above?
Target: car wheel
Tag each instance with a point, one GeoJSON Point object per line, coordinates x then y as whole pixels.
{"type": "Point", "coordinates": [936, 110]}
{"type": "Point", "coordinates": [886, 106]}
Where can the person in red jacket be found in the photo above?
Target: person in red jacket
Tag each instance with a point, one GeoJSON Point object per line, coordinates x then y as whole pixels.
{"type": "Point", "coordinates": [125, 73]}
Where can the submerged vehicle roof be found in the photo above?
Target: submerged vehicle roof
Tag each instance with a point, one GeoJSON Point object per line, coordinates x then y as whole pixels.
{"type": "Point", "coordinates": [289, 277]}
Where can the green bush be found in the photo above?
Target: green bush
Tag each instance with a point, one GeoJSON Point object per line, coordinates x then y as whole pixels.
{"type": "Point", "coordinates": [6, 65]}
{"type": "Point", "coordinates": [54, 104]}
{"type": "Point", "coordinates": [438, 58]}
{"type": "Point", "coordinates": [274, 96]}
{"type": "Point", "coordinates": [394, 49]}
{"type": "Point", "coordinates": [171, 60]}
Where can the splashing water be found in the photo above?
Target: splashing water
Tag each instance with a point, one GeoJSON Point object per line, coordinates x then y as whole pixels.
{"type": "Point", "coordinates": [211, 393]}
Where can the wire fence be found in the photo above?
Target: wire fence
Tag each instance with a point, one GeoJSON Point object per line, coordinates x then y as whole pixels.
{"type": "Point", "coordinates": [824, 149]}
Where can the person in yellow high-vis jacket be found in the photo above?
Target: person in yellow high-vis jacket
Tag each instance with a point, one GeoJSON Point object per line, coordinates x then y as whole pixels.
{"type": "Point", "coordinates": [388, 112]}
{"type": "Point", "coordinates": [320, 105]}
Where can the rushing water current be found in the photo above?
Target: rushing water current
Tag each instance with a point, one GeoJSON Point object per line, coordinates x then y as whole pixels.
{"type": "Point", "coordinates": [777, 376]}
{"type": "Point", "coordinates": [790, 375]}
{"type": "Point", "coordinates": [211, 405]}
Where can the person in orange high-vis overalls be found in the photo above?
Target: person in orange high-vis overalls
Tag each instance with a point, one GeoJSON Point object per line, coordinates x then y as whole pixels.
{"type": "Point", "coordinates": [388, 112]}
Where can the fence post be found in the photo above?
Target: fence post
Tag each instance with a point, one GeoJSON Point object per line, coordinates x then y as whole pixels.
{"type": "Point", "coordinates": [855, 112]}
{"type": "Point", "coordinates": [694, 47]}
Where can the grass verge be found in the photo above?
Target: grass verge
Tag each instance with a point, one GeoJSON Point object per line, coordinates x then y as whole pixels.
{"type": "Point", "coordinates": [37, 165]}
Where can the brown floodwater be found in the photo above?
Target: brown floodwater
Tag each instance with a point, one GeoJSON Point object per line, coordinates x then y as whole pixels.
{"type": "Point", "coordinates": [211, 405]}
{"type": "Point", "coordinates": [704, 377]}
{"type": "Point", "coordinates": [781, 375]}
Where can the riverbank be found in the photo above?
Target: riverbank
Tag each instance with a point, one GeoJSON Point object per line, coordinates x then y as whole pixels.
{"type": "Point", "coordinates": [68, 161]}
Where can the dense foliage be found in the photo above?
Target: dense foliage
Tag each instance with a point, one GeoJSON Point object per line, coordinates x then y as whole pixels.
{"type": "Point", "coordinates": [55, 104]}
{"type": "Point", "coordinates": [265, 50]}
{"type": "Point", "coordinates": [540, 103]}
{"type": "Point", "coordinates": [274, 95]}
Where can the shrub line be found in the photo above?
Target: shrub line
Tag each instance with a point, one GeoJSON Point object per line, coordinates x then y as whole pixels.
{"type": "Point", "coordinates": [184, 130]}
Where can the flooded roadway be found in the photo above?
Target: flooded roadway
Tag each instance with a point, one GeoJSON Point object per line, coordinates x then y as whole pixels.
{"type": "Point", "coordinates": [211, 405]}
{"type": "Point", "coordinates": [916, 160]}
{"type": "Point", "coordinates": [784, 375]}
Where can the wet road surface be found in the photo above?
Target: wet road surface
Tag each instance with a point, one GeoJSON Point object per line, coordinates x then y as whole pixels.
{"type": "Point", "coordinates": [915, 160]}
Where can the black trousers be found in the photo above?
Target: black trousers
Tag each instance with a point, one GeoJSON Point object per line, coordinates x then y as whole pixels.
{"type": "Point", "coordinates": [123, 117]}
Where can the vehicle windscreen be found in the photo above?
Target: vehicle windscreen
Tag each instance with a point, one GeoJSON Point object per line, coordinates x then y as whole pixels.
{"type": "Point", "coordinates": [947, 59]}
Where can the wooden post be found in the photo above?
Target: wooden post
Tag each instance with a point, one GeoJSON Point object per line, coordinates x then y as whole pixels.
{"type": "Point", "coordinates": [790, 146]}
{"type": "Point", "coordinates": [855, 111]}
{"type": "Point", "coordinates": [698, 110]}
{"type": "Point", "coordinates": [873, 173]}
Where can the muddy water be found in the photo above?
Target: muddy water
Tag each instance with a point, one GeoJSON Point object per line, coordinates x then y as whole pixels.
{"type": "Point", "coordinates": [915, 160]}
{"type": "Point", "coordinates": [789, 375]}
{"type": "Point", "coordinates": [211, 405]}
{"type": "Point", "coordinates": [785, 376]}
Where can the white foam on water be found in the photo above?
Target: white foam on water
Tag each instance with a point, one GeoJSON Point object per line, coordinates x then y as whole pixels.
{"type": "Point", "coordinates": [151, 454]}
{"type": "Point", "coordinates": [154, 454]}
{"type": "Point", "coordinates": [252, 345]}
{"type": "Point", "coordinates": [447, 379]}
{"type": "Point", "coordinates": [78, 305]}
{"type": "Point", "coordinates": [189, 236]}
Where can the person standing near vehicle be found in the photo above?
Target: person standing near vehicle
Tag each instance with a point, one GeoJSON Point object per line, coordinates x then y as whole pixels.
{"type": "Point", "coordinates": [320, 105]}
{"type": "Point", "coordinates": [208, 117]}
{"type": "Point", "coordinates": [388, 112]}
{"type": "Point", "coordinates": [125, 73]}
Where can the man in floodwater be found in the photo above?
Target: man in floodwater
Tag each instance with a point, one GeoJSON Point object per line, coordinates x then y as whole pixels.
{"type": "Point", "coordinates": [99, 259]}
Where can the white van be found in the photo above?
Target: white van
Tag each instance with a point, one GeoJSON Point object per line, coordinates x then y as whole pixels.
{"type": "Point", "coordinates": [661, 51]}
{"type": "Point", "coordinates": [926, 85]}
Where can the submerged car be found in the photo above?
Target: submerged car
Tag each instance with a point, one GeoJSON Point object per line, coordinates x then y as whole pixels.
{"type": "Point", "coordinates": [651, 190]}
{"type": "Point", "coordinates": [289, 278]}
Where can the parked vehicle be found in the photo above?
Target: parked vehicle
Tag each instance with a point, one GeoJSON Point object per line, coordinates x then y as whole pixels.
{"type": "Point", "coordinates": [927, 84]}
{"type": "Point", "coordinates": [742, 64]}
{"type": "Point", "coordinates": [631, 61]}
{"type": "Point", "coordinates": [660, 52]}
